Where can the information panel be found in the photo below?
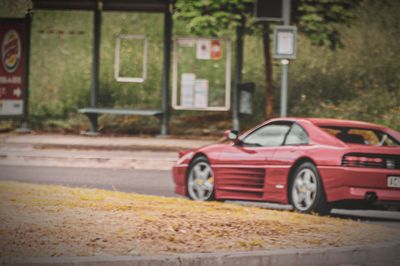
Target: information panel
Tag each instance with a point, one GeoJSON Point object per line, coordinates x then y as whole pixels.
{"type": "Point", "coordinates": [285, 42]}
{"type": "Point", "coordinates": [201, 74]}
{"type": "Point", "coordinates": [13, 41]}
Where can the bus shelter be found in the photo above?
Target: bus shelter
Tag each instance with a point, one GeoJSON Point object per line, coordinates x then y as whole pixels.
{"type": "Point", "coordinates": [97, 6]}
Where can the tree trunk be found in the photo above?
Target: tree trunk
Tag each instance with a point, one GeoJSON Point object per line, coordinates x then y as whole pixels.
{"type": "Point", "coordinates": [269, 89]}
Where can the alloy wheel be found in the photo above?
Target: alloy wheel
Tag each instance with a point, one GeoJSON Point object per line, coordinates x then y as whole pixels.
{"type": "Point", "coordinates": [304, 189]}
{"type": "Point", "coordinates": [201, 181]}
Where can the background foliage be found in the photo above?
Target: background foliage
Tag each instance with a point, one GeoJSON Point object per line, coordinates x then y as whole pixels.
{"type": "Point", "coordinates": [358, 80]}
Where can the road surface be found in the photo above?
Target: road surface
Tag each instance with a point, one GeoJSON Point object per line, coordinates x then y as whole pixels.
{"type": "Point", "coordinates": [153, 182]}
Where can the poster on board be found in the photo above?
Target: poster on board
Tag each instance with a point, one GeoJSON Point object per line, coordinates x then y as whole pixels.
{"type": "Point", "coordinates": [201, 93]}
{"type": "Point", "coordinates": [216, 50]}
{"type": "Point", "coordinates": [13, 39]}
{"type": "Point", "coordinates": [203, 49]}
{"type": "Point", "coordinates": [187, 89]}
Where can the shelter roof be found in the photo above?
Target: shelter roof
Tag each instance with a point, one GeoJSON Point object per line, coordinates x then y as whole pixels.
{"type": "Point", "coordinates": [106, 5]}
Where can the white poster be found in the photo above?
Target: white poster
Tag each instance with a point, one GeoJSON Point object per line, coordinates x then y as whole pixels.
{"type": "Point", "coordinates": [11, 107]}
{"type": "Point", "coordinates": [285, 42]}
{"type": "Point", "coordinates": [187, 89]}
{"type": "Point", "coordinates": [201, 93]}
{"type": "Point", "coordinates": [203, 49]}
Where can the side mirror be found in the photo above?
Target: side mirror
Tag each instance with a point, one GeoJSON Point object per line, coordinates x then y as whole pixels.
{"type": "Point", "coordinates": [231, 135]}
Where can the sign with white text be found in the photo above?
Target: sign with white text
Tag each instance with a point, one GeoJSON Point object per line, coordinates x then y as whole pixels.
{"type": "Point", "coordinates": [285, 42]}
{"type": "Point", "coordinates": [13, 41]}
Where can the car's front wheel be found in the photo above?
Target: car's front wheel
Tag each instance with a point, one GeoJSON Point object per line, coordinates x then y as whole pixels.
{"type": "Point", "coordinates": [200, 180]}
{"type": "Point", "coordinates": [306, 190]}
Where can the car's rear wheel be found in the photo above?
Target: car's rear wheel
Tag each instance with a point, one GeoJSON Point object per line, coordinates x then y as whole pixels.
{"type": "Point", "coordinates": [306, 191]}
{"type": "Point", "coordinates": [200, 180]}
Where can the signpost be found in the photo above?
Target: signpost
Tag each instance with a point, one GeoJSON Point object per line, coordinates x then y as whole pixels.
{"type": "Point", "coordinates": [285, 48]}
{"type": "Point", "coordinates": [284, 37]}
{"type": "Point", "coordinates": [14, 56]}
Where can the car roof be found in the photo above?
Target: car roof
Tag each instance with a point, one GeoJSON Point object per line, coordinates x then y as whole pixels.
{"type": "Point", "coordinates": [344, 123]}
{"type": "Point", "coordinates": [329, 122]}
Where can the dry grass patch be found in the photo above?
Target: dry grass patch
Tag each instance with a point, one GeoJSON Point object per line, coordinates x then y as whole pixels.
{"type": "Point", "coordinates": [42, 220]}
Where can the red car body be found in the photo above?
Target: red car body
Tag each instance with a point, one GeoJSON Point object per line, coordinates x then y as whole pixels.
{"type": "Point", "coordinates": [263, 173]}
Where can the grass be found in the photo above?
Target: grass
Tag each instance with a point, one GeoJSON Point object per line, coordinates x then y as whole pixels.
{"type": "Point", "coordinates": [42, 220]}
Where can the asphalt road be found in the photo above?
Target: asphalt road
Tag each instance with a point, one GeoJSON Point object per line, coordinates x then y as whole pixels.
{"type": "Point", "coordinates": [153, 182]}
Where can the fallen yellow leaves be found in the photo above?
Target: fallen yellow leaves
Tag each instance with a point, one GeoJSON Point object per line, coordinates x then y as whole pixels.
{"type": "Point", "coordinates": [41, 220]}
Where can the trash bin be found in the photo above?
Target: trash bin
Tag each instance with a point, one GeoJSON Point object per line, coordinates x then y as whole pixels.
{"type": "Point", "coordinates": [246, 92]}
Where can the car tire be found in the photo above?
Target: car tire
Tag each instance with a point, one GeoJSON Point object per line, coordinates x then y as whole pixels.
{"type": "Point", "coordinates": [200, 180]}
{"type": "Point", "coordinates": [306, 192]}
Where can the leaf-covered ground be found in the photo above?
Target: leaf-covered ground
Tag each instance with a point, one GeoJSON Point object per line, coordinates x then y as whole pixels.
{"type": "Point", "coordinates": [41, 220]}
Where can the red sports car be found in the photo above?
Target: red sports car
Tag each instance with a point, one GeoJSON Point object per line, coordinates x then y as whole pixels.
{"type": "Point", "coordinates": [313, 164]}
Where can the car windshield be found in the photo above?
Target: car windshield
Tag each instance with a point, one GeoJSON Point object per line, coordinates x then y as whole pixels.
{"type": "Point", "coordinates": [361, 136]}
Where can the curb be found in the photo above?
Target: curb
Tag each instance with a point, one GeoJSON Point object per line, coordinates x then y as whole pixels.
{"type": "Point", "coordinates": [111, 147]}
{"type": "Point", "coordinates": [374, 255]}
{"type": "Point", "coordinates": [103, 143]}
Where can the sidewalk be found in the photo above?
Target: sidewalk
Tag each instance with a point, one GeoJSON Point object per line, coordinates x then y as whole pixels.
{"type": "Point", "coordinates": [370, 255]}
{"type": "Point", "coordinates": [102, 142]}
{"type": "Point", "coordinates": [56, 150]}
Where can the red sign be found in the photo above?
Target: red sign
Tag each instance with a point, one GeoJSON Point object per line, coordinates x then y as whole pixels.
{"type": "Point", "coordinates": [216, 50]}
{"type": "Point", "coordinates": [13, 39]}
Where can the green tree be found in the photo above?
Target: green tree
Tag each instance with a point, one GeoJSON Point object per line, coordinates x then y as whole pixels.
{"type": "Point", "coordinates": [317, 19]}
{"type": "Point", "coordinates": [14, 8]}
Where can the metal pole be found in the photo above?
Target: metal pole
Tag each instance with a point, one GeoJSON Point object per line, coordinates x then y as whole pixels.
{"type": "Point", "coordinates": [24, 122]}
{"type": "Point", "coordinates": [284, 91]}
{"type": "Point", "coordinates": [166, 69]}
{"type": "Point", "coordinates": [95, 66]}
{"type": "Point", "coordinates": [285, 63]}
{"type": "Point", "coordinates": [286, 12]}
{"type": "Point", "coordinates": [238, 76]}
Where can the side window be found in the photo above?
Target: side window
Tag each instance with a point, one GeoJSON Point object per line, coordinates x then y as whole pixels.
{"type": "Point", "coordinates": [296, 136]}
{"type": "Point", "coordinates": [267, 136]}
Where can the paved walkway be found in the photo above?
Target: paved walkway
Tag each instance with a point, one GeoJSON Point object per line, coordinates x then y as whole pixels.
{"type": "Point", "coordinates": [102, 142]}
